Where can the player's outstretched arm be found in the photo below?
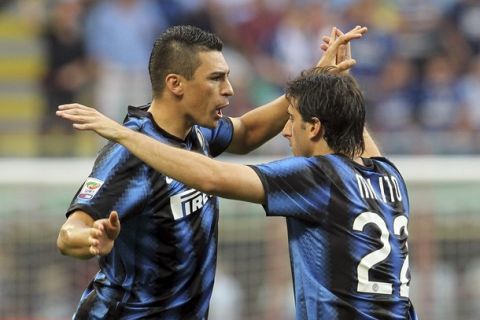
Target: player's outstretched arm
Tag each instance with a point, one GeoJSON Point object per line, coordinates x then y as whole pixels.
{"type": "Point", "coordinates": [82, 237]}
{"type": "Point", "coordinates": [224, 179]}
{"type": "Point", "coordinates": [263, 123]}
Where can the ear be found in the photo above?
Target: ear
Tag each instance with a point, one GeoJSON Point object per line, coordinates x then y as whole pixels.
{"type": "Point", "coordinates": [315, 129]}
{"type": "Point", "coordinates": [174, 84]}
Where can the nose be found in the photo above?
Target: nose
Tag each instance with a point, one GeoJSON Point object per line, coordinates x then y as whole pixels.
{"type": "Point", "coordinates": [227, 90]}
{"type": "Point", "coordinates": [287, 130]}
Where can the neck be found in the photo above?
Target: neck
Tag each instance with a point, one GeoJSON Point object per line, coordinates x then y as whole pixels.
{"type": "Point", "coordinates": [169, 117]}
{"type": "Point", "coordinates": [321, 148]}
{"type": "Point", "coordinates": [358, 160]}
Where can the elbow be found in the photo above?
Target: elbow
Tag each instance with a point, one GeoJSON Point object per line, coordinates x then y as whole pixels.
{"type": "Point", "coordinates": [217, 183]}
{"type": "Point", "coordinates": [211, 183]}
{"type": "Point", "coordinates": [247, 147]}
{"type": "Point", "coordinates": [62, 241]}
{"type": "Point", "coordinates": [208, 186]}
{"type": "Point", "coordinates": [245, 150]}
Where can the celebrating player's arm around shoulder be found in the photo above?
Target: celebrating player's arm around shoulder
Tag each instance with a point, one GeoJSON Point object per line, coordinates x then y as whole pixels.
{"type": "Point", "coordinates": [195, 170]}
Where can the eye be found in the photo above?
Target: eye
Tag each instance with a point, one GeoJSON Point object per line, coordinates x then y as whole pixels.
{"type": "Point", "coordinates": [219, 77]}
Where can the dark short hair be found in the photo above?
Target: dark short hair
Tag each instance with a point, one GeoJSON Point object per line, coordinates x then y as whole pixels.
{"type": "Point", "coordinates": [175, 51]}
{"type": "Point", "coordinates": [337, 101]}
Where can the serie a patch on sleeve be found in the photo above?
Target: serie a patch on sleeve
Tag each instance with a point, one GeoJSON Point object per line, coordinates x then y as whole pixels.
{"type": "Point", "coordinates": [90, 188]}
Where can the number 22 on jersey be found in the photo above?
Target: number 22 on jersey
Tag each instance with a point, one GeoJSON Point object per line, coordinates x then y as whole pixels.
{"type": "Point", "coordinates": [377, 256]}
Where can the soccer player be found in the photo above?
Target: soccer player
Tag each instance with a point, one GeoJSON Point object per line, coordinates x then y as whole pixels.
{"type": "Point", "coordinates": [158, 248]}
{"type": "Point", "coordinates": [346, 206]}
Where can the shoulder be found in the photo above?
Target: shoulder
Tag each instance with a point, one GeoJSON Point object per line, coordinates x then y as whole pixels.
{"type": "Point", "coordinates": [224, 124]}
{"type": "Point", "coordinates": [218, 138]}
{"type": "Point", "coordinates": [286, 166]}
{"type": "Point", "coordinates": [138, 118]}
{"type": "Point", "coordinates": [385, 162]}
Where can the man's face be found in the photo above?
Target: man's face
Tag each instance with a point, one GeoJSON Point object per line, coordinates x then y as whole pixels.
{"type": "Point", "coordinates": [207, 93]}
{"type": "Point", "coordinates": [295, 131]}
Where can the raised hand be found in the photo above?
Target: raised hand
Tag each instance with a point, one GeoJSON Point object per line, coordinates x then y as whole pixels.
{"type": "Point", "coordinates": [86, 118]}
{"type": "Point", "coordinates": [103, 234]}
{"type": "Point", "coordinates": [337, 49]}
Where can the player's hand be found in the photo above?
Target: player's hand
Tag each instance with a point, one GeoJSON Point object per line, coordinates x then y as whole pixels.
{"type": "Point", "coordinates": [86, 118]}
{"type": "Point", "coordinates": [103, 234]}
{"type": "Point", "coordinates": [337, 49]}
{"type": "Point", "coordinates": [344, 52]}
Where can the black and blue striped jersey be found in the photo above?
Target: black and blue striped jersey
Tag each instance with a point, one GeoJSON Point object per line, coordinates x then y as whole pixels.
{"type": "Point", "coordinates": [347, 233]}
{"type": "Point", "coordinates": [162, 265]}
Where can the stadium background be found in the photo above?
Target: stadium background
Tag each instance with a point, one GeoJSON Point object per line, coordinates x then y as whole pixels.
{"type": "Point", "coordinates": [419, 66]}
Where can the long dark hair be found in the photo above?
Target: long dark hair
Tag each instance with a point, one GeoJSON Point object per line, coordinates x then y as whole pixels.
{"type": "Point", "coordinates": [337, 101]}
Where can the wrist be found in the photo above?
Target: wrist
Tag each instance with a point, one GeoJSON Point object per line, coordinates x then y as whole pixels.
{"type": "Point", "coordinates": [122, 134]}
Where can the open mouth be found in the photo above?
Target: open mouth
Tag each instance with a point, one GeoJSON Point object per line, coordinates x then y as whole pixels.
{"type": "Point", "coordinates": [219, 111]}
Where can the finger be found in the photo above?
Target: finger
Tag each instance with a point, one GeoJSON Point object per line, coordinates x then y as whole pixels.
{"type": "Point", "coordinates": [101, 227]}
{"type": "Point", "coordinates": [342, 40]}
{"type": "Point", "coordinates": [333, 34]}
{"type": "Point", "coordinates": [359, 29]}
{"type": "Point", "coordinates": [355, 33]}
{"type": "Point", "coordinates": [326, 43]}
{"type": "Point", "coordinates": [348, 48]}
{"type": "Point", "coordinates": [348, 54]}
{"type": "Point", "coordinates": [341, 53]}
{"type": "Point", "coordinates": [93, 242]}
{"type": "Point", "coordinates": [69, 106]}
{"type": "Point", "coordinates": [114, 220]}
{"type": "Point", "coordinates": [95, 233]}
{"type": "Point", "coordinates": [333, 37]}
{"type": "Point", "coordinates": [343, 49]}
{"type": "Point", "coordinates": [71, 115]}
{"type": "Point", "coordinates": [98, 225]}
{"type": "Point", "coordinates": [76, 115]}
{"type": "Point", "coordinates": [345, 65]}
{"type": "Point", "coordinates": [81, 126]}
{"type": "Point", "coordinates": [93, 251]}
{"type": "Point", "coordinates": [81, 111]}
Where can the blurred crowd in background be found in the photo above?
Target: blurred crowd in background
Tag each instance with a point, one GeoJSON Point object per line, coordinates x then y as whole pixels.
{"type": "Point", "coordinates": [419, 64]}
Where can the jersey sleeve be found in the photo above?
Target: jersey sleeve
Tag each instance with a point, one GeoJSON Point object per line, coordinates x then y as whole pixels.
{"type": "Point", "coordinates": [220, 137]}
{"type": "Point", "coordinates": [114, 184]}
{"type": "Point", "coordinates": [294, 188]}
